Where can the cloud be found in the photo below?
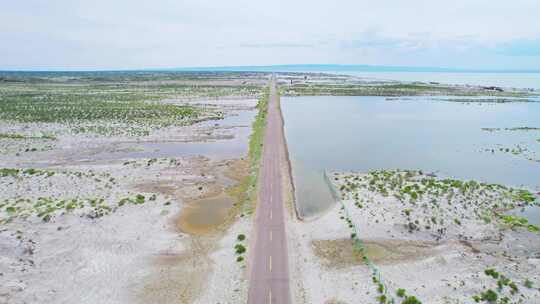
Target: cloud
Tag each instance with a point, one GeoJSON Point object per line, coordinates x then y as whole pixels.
{"type": "Point", "coordinates": [412, 42]}
{"type": "Point", "coordinates": [372, 40]}
{"type": "Point", "coordinates": [102, 34]}
{"type": "Point", "coordinates": [277, 45]}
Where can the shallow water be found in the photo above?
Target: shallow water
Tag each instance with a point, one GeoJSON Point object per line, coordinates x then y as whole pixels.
{"type": "Point", "coordinates": [204, 215]}
{"type": "Point", "coordinates": [236, 146]}
{"type": "Point", "coordinates": [532, 213]}
{"type": "Point", "coordinates": [371, 133]}
{"type": "Point", "coordinates": [505, 80]}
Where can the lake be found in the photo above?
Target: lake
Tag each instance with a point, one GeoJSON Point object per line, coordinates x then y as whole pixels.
{"type": "Point", "coordinates": [506, 80]}
{"type": "Point", "coordinates": [372, 133]}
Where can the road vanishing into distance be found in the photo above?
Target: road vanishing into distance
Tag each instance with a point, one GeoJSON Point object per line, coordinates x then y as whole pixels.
{"type": "Point", "coordinates": [269, 278]}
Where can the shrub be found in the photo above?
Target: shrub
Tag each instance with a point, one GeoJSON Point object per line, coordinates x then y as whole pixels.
{"type": "Point", "coordinates": [241, 237]}
{"type": "Point", "coordinates": [8, 172]}
{"type": "Point", "coordinates": [240, 248]}
{"type": "Point", "coordinates": [492, 273]}
{"type": "Point", "coordinates": [123, 201]}
{"type": "Point", "coordinates": [30, 171]}
{"type": "Point", "coordinates": [71, 205]}
{"type": "Point", "coordinates": [513, 288]}
{"type": "Point", "coordinates": [505, 300]}
{"type": "Point", "coordinates": [503, 281]}
{"type": "Point", "coordinates": [400, 292]}
{"type": "Point", "coordinates": [489, 296]}
{"type": "Point", "coordinates": [411, 300]}
{"type": "Point", "coordinates": [239, 259]}
{"type": "Point", "coordinates": [139, 199]}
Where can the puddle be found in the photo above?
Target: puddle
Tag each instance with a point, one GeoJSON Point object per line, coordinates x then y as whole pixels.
{"type": "Point", "coordinates": [201, 218]}
{"type": "Point", "coordinates": [205, 215]}
{"type": "Point", "coordinates": [340, 253]}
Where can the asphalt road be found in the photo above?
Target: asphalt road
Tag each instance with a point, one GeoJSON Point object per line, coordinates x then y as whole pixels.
{"type": "Point", "coordinates": [269, 277]}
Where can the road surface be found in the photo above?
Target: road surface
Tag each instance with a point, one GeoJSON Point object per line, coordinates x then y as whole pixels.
{"type": "Point", "coordinates": [269, 278]}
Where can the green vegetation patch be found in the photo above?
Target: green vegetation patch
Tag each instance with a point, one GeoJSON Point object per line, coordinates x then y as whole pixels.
{"type": "Point", "coordinates": [399, 89]}
{"type": "Point", "coordinates": [505, 291]}
{"type": "Point", "coordinates": [68, 109]}
{"type": "Point", "coordinates": [249, 184]}
{"type": "Point", "coordinates": [17, 136]}
{"type": "Point", "coordinates": [104, 103]}
{"type": "Point", "coordinates": [516, 221]}
{"type": "Point", "coordinates": [13, 172]}
{"type": "Point", "coordinates": [433, 204]}
{"type": "Point", "coordinates": [46, 208]}
{"type": "Point", "coordinates": [98, 112]}
{"type": "Point", "coordinates": [239, 248]}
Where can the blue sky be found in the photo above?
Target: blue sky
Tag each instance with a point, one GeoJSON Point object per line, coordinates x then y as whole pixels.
{"type": "Point", "coordinates": [121, 34]}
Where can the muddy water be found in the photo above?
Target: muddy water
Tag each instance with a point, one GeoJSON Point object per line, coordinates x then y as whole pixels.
{"type": "Point", "coordinates": [205, 215]}
{"type": "Point", "coordinates": [211, 211]}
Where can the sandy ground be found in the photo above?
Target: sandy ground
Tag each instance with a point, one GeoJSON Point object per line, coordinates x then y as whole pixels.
{"type": "Point", "coordinates": [328, 269]}
{"type": "Point", "coordinates": [133, 252]}
{"type": "Point", "coordinates": [330, 279]}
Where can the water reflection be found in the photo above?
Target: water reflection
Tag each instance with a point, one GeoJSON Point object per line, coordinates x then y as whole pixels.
{"type": "Point", "coordinates": [372, 133]}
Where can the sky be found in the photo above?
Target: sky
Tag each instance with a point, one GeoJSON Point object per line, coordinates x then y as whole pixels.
{"type": "Point", "coordinates": [122, 34]}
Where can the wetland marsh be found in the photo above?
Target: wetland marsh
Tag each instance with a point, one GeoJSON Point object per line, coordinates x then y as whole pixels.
{"type": "Point", "coordinates": [373, 133]}
{"type": "Point", "coordinates": [115, 172]}
{"type": "Point", "coordinates": [424, 179]}
{"type": "Point", "coordinates": [433, 194]}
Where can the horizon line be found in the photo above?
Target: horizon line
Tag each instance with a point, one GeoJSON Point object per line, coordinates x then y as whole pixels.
{"type": "Point", "coordinates": [284, 68]}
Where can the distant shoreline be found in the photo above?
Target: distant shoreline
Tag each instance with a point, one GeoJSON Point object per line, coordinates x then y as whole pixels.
{"type": "Point", "coordinates": [306, 68]}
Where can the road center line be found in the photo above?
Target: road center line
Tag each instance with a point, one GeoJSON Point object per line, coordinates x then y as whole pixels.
{"type": "Point", "coordinates": [262, 280]}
